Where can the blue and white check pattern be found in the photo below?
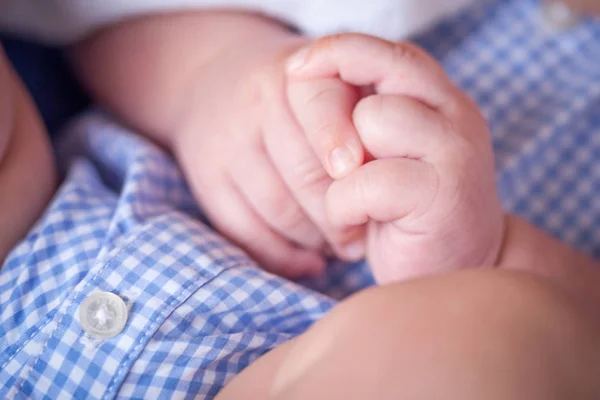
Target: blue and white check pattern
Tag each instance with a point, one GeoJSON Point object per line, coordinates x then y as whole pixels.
{"type": "Point", "coordinates": [123, 221]}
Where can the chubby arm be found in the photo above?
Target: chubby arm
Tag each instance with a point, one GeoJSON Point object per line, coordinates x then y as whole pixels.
{"type": "Point", "coordinates": [27, 174]}
{"type": "Point", "coordinates": [142, 69]}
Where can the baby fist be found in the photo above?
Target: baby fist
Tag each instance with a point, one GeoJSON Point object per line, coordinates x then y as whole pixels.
{"type": "Point", "coordinates": [429, 195]}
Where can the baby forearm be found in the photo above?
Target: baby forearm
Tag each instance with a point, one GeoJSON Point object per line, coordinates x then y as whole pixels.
{"type": "Point", "coordinates": [527, 248]}
{"type": "Point", "coordinates": [142, 69]}
{"type": "Point", "coordinates": [27, 175]}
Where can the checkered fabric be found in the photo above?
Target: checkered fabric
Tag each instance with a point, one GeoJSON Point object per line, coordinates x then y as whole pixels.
{"type": "Point", "coordinates": [540, 91]}
{"type": "Point", "coordinates": [200, 310]}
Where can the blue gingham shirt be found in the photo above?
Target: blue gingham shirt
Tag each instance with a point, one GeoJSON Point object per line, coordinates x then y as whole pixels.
{"type": "Point", "coordinates": [200, 310]}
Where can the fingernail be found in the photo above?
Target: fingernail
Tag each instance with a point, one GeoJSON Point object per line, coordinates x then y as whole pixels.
{"type": "Point", "coordinates": [341, 161]}
{"type": "Point", "coordinates": [355, 250]}
{"type": "Point", "coordinates": [297, 60]}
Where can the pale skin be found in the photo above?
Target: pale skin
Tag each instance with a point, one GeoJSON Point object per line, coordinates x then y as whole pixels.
{"type": "Point", "coordinates": [291, 114]}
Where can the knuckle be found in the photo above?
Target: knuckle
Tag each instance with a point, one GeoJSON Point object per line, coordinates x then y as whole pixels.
{"type": "Point", "coordinates": [329, 42]}
{"type": "Point", "coordinates": [326, 90]}
{"type": "Point", "coordinates": [342, 236]}
{"type": "Point", "coordinates": [284, 211]}
{"type": "Point", "coordinates": [403, 52]}
{"type": "Point", "coordinates": [367, 113]}
{"type": "Point", "coordinates": [327, 135]}
{"type": "Point", "coordinates": [319, 95]}
{"type": "Point", "coordinates": [311, 178]}
{"type": "Point", "coordinates": [278, 203]}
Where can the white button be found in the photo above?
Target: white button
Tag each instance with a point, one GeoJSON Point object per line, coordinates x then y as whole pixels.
{"type": "Point", "coordinates": [103, 315]}
{"type": "Point", "coordinates": [557, 15]}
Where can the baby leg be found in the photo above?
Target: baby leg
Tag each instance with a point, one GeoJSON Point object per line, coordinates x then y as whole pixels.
{"type": "Point", "coordinates": [27, 174]}
{"type": "Point", "coordinates": [467, 335]}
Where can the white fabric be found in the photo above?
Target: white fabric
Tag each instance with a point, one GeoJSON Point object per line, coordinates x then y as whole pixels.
{"type": "Point", "coordinates": [66, 21]}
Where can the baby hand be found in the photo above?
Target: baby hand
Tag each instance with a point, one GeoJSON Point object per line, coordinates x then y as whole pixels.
{"type": "Point", "coordinates": [250, 166]}
{"type": "Point", "coordinates": [429, 194]}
